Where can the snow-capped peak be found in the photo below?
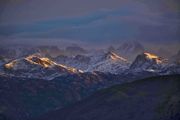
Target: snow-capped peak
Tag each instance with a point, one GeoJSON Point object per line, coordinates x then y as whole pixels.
{"type": "Point", "coordinates": [109, 62]}
{"type": "Point", "coordinates": [154, 57]}
{"type": "Point", "coordinates": [148, 61]}
{"type": "Point", "coordinates": [34, 59]}
{"type": "Point", "coordinates": [115, 57]}
{"type": "Point", "coordinates": [44, 62]}
{"type": "Point", "coordinates": [39, 67]}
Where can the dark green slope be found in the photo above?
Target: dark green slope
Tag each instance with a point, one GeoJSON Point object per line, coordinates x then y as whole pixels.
{"type": "Point", "coordinates": [24, 98]}
{"type": "Point", "coordinates": [156, 98]}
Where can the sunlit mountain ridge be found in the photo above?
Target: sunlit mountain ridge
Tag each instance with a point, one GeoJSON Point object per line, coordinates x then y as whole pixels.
{"type": "Point", "coordinates": [40, 66]}
{"type": "Point", "coordinates": [36, 66]}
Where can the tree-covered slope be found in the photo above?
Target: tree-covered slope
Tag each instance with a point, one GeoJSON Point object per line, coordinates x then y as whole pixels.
{"type": "Point", "coordinates": [156, 98]}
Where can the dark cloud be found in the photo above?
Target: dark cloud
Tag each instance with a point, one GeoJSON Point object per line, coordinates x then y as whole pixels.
{"type": "Point", "coordinates": [30, 10]}
{"type": "Point", "coordinates": [90, 20]}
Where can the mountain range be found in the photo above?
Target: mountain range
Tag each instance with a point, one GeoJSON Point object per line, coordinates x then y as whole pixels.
{"type": "Point", "coordinates": [37, 80]}
{"type": "Point", "coordinates": [39, 66]}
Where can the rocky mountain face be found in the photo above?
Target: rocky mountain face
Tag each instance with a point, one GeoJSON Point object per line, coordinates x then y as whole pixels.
{"type": "Point", "coordinates": [35, 66]}
{"type": "Point", "coordinates": [79, 61]}
{"type": "Point", "coordinates": [147, 61]}
{"type": "Point", "coordinates": [151, 63]}
{"type": "Point", "coordinates": [38, 66]}
{"type": "Point", "coordinates": [104, 62]}
{"type": "Point", "coordinates": [156, 98]}
{"type": "Point", "coordinates": [110, 62]}
{"type": "Point", "coordinates": [113, 63]}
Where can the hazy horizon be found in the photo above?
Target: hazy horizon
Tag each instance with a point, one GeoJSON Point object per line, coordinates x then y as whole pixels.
{"type": "Point", "coordinates": [94, 23]}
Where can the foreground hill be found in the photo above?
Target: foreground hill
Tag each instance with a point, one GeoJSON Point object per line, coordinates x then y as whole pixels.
{"type": "Point", "coordinates": [156, 98]}
{"type": "Point", "coordinates": [22, 98]}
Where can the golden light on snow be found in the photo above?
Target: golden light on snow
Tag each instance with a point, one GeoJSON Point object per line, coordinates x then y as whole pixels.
{"type": "Point", "coordinates": [151, 56]}
{"type": "Point", "coordinates": [116, 57]}
{"type": "Point", "coordinates": [41, 61]}
{"type": "Point", "coordinates": [155, 57]}
{"type": "Point", "coordinates": [45, 62]}
{"type": "Point", "coordinates": [71, 69]}
{"type": "Point", "coordinates": [9, 65]}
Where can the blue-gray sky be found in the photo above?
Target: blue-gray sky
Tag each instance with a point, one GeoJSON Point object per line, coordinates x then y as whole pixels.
{"type": "Point", "coordinates": [91, 21]}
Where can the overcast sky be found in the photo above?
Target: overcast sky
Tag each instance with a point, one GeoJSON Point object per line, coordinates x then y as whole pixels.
{"type": "Point", "coordinates": [91, 21]}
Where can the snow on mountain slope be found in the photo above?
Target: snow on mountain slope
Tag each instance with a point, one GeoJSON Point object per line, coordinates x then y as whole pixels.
{"type": "Point", "coordinates": [114, 57]}
{"type": "Point", "coordinates": [148, 62]}
{"type": "Point", "coordinates": [170, 69]}
{"type": "Point", "coordinates": [99, 61]}
{"type": "Point", "coordinates": [110, 62]}
{"type": "Point", "coordinates": [36, 66]}
{"type": "Point", "coordinates": [79, 61]}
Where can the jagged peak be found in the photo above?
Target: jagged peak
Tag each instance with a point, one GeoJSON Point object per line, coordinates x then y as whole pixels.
{"type": "Point", "coordinates": [148, 61]}
{"type": "Point", "coordinates": [114, 56]}
{"type": "Point", "coordinates": [38, 61]}
{"type": "Point", "coordinates": [31, 60]}
{"type": "Point", "coordinates": [151, 56]}
{"type": "Point", "coordinates": [43, 61]}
